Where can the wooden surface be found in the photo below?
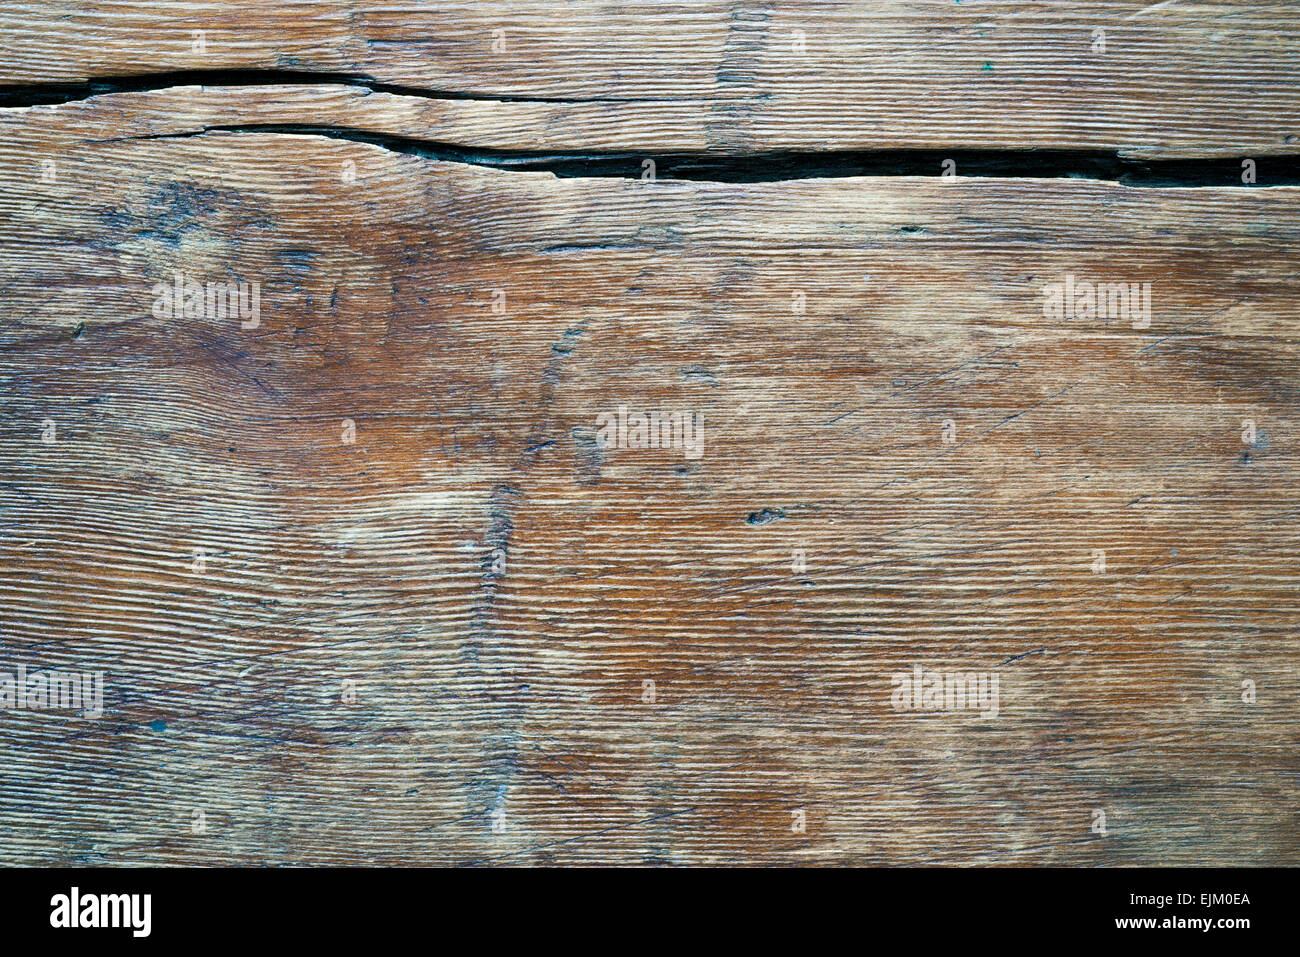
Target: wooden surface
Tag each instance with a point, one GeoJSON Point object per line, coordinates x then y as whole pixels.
{"type": "Point", "coordinates": [1172, 77]}
{"type": "Point", "coordinates": [499, 586]}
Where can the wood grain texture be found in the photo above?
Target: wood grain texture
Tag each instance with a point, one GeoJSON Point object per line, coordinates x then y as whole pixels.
{"type": "Point", "coordinates": [1167, 79]}
{"type": "Point", "coordinates": [500, 586]}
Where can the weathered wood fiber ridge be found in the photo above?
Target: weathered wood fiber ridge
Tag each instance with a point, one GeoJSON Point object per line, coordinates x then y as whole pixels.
{"type": "Point", "coordinates": [430, 598]}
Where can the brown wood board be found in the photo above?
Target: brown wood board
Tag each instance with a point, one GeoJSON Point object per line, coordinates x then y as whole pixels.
{"type": "Point", "coordinates": [431, 600]}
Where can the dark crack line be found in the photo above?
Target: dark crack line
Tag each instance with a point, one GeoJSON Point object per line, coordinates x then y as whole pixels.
{"type": "Point", "coordinates": [1273, 169]}
{"type": "Point", "coordinates": [49, 94]}
{"type": "Point", "coordinates": [779, 166]}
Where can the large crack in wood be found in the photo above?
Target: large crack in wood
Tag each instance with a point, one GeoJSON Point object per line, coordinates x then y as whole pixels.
{"type": "Point", "coordinates": [52, 94]}
{"type": "Point", "coordinates": [743, 166]}
{"type": "Point", "coordinates": [779, 166]}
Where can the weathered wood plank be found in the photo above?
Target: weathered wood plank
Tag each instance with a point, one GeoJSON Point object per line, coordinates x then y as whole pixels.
{"type": "Point", "coordinates": [1196, 77]}
{"type": "Point", "coordinates": [500, 586]}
